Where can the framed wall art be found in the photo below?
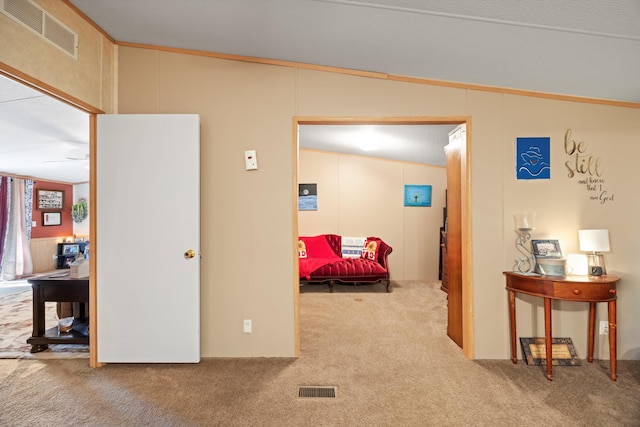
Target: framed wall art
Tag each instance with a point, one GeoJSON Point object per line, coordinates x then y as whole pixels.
{"type": "Point", "coordinates": [417, 195]}
{"type": "Point", "coordinates": [533, 158]}
{"type": "Point", "coordinates": [50, 199]}
{"type": "Point", "coordinates": [307, 197]}
{"type": "Point", "coordinates": [51, 218]}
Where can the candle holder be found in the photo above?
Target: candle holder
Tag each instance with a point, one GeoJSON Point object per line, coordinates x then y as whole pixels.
{"type": "Point", "coordinates": [525, 222]}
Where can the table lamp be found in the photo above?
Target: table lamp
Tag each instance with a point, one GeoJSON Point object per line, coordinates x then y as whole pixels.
{"type": "Point", "coordinates": [594, 242]}
{"type": "Point", "coordinates": [525, 222]}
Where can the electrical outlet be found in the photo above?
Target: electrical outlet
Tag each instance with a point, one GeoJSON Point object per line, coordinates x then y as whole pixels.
{"type": "Point", "coordinates": [604, 327]}
{"type": "Point", "coordinates": [247, 326]}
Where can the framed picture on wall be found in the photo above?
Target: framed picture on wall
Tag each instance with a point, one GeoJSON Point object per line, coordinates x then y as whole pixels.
{"type": "Point", "coordinates": [417, 195]}
{"type": "Point", "coordinates": [307, 197]}
{"type": "Point", "coordinates": [50, 199]}
{"type": "Point", "coordinates": [51, 218]}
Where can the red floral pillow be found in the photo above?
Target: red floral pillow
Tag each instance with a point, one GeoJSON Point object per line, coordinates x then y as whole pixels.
{"type": "Point", "coordinates": [370, 249]}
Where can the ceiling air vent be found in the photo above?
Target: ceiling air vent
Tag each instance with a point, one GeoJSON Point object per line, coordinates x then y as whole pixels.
{"type": "Point", "coordinates": [42, 23]}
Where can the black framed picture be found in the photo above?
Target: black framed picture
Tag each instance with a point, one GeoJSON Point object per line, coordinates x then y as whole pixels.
{"type": "Point", "coordinates": [546, 249]}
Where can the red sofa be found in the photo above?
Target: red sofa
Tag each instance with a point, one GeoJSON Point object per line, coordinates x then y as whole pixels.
{"type": "Point", "coordinates": [321, 261]}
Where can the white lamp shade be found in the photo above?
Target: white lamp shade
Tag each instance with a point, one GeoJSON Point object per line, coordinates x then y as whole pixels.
{"type": "Point", "coordinates": [594, 240]}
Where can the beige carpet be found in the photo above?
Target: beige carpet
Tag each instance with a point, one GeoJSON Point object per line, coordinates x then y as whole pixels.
{"type": "Point", "coordinates": [387, 354]}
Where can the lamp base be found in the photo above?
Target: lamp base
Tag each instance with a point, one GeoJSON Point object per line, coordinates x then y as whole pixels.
{"type": "Point", "coordinates": [595, 262]}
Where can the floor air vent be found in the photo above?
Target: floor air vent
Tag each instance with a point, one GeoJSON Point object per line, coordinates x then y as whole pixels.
{"type": "Point", "coordinates": [317, 392]}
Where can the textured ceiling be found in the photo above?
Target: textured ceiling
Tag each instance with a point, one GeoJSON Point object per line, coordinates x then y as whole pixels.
{"type": "Point", "coordinates": [585, 48]}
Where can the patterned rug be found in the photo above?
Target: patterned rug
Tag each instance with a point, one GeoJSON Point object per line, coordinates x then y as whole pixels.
{"type": "Point", "coordinates": [16, 326]}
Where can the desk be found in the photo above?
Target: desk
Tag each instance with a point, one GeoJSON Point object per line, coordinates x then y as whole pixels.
{"type": "Point", "coordinates": [59, 289]}
{"type": "Point", "coordinates": [571, 288]}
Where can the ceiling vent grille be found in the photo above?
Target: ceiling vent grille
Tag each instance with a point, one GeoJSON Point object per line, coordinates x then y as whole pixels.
{"type": "Point", "coordinates": [59, 35]}
{"type": "Point", "coordinates": [42, 23]}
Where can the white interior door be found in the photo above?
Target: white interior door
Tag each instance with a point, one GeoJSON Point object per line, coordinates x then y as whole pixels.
{"type": "Point", "coordinates": [148, 219]}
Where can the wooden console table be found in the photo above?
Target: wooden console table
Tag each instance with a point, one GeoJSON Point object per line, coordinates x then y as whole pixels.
{"type": "Point", "coordinates": [59, 289]}
{"type": "Point", "coordinates": [571, 288]}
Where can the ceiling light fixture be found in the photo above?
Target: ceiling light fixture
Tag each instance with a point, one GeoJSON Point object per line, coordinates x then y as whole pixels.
{"type": "Point", "coordinates": [368, 139]}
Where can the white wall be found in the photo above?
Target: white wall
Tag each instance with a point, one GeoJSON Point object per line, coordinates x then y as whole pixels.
{"type": "Point", "coordinates": [248, 228]}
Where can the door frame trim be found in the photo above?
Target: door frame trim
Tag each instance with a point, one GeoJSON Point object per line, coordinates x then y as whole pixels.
{"type": "Point", "coordinates": [467, 255]}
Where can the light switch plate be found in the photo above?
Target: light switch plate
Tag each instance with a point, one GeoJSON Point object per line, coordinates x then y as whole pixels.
{"type": "Point", "coordinates": [250, 160]}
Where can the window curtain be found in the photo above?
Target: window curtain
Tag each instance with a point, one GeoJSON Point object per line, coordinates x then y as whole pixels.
{"type": "Point", "coordinates": [16, 258]}
{"type": "Point", "coordinates": [4, 213]}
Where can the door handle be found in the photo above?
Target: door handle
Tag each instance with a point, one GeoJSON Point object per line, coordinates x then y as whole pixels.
{"type": "Point", "coordinates": [189, 254]}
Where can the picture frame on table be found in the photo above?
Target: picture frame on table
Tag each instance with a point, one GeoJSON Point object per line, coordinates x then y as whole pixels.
{"type": "Point", "coordinates": [546, 248]}
{"type": "Point", "coordinates": [51, 218]}
{"type": "Point", "coordinates": [70, 249]}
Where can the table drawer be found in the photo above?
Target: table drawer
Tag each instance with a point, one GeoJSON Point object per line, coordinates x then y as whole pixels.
{"type": "Point", "coordinates": [584, 291]}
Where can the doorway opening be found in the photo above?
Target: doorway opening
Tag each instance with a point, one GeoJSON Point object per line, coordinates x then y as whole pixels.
{"type": "Point", "coordinates": [301, 125]}
{"type": "Point", "coordinates": [85, 160]}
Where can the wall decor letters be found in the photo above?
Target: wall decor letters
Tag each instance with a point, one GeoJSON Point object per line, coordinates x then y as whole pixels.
{"type": "Point", "coordinates": [586, 168]}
